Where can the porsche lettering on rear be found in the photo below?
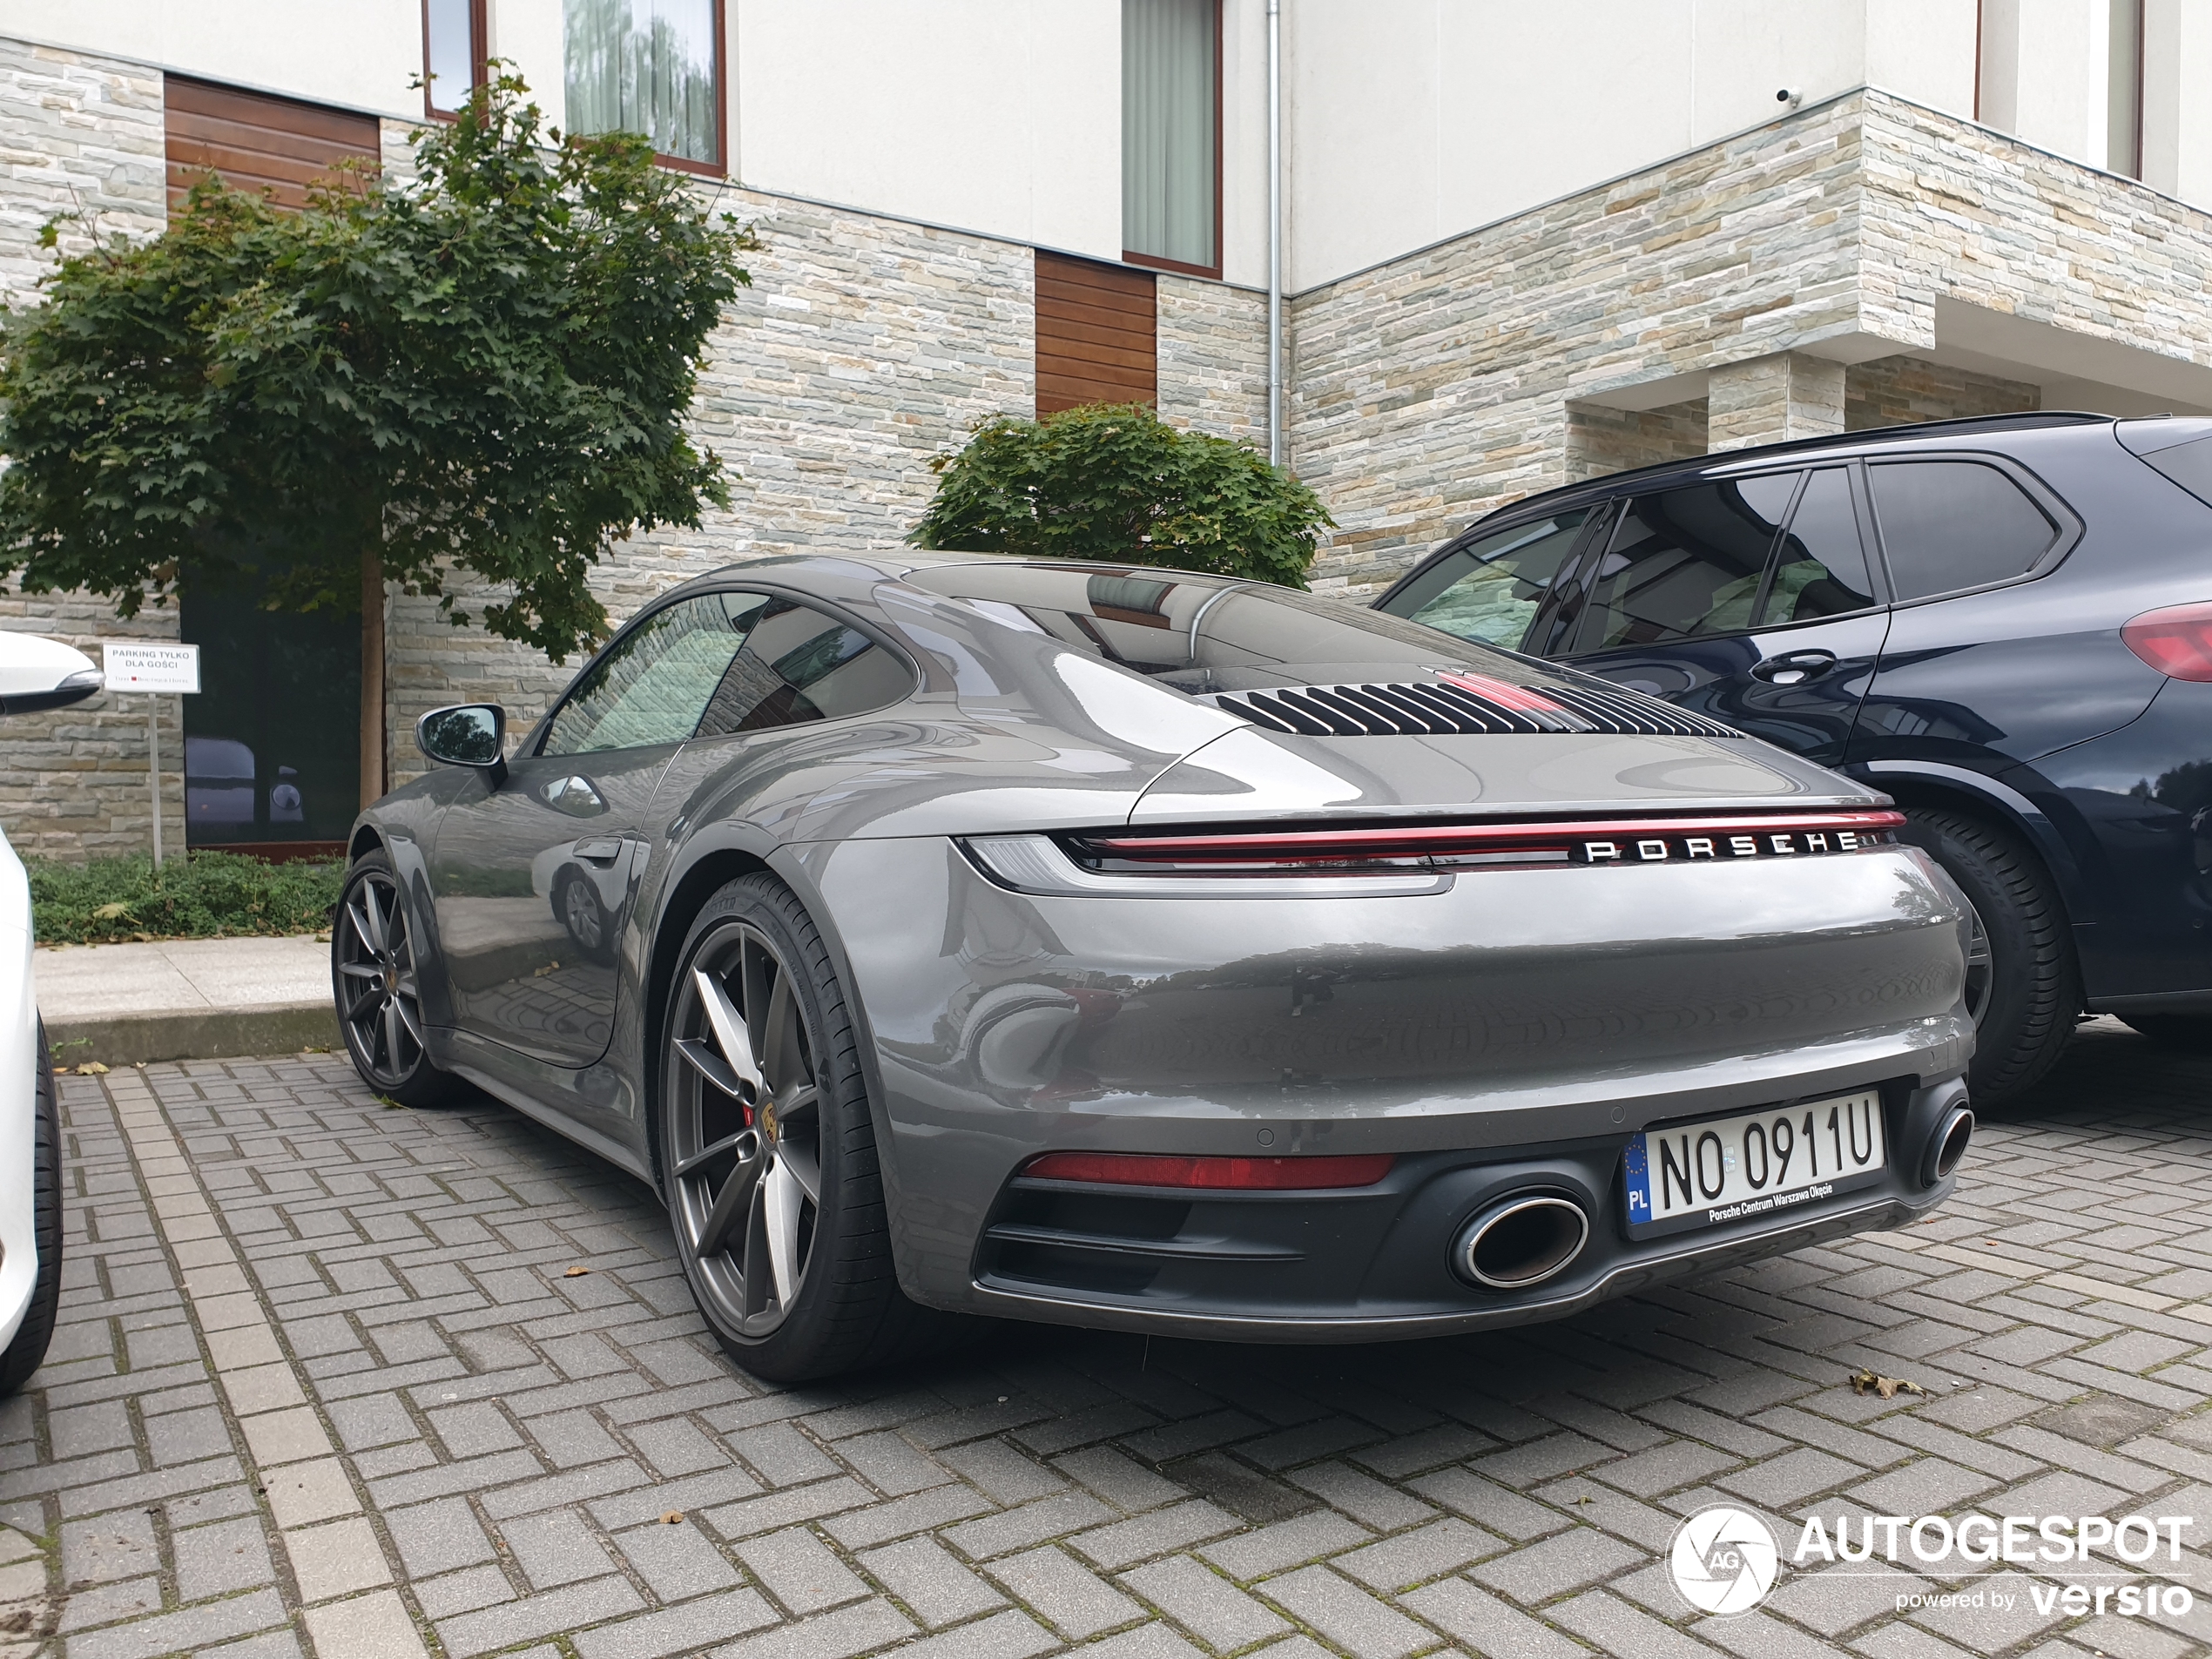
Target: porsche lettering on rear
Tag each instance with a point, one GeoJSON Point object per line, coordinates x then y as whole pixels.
{"type": "Point", "coordinates": [1661, 849]}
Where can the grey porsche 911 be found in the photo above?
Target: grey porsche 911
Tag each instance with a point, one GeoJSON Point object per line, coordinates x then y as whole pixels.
{"type": "Point", "coordinates": [950, 933]}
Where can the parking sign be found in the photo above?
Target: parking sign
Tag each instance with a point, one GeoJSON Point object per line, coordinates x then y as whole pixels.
{"type": "Point", "coordinates": [144, 668]}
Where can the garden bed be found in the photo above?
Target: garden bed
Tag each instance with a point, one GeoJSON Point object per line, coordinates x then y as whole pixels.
{"type": "Point", "coordinates": [202, 896]}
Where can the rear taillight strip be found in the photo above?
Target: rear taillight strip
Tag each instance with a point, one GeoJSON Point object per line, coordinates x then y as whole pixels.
{"type": "Point", "coordinates": [1444, 841]}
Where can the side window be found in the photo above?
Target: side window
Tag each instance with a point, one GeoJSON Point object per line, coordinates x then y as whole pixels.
{"type": "Point", "coordinates": [1821, 569]}
{"type": "Point", "coordinates": [653, 687]}
{"type": "Point", "coordinates": [1490, 590]}
{"type": "Point", "coordinates": [798, 664]}
{"type": "Point", "coordinates": [1685, 562]}
{"type": "Point", "coordinates": [1952, 524]}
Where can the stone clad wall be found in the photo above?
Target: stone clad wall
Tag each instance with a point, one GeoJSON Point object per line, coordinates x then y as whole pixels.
{"type": "Point", "coordinates": [864, 348]}
{"type": "Point", "coordinates": [1213, 358]}
{"type": "Point", "coordinates": [80, 133]}
{"type": "Point", "coordinates": [1434, 389]}
{"type": "Point", "coordinates": [1891, 391]}
{"type": "Point", "coordinates": [1601, 440]}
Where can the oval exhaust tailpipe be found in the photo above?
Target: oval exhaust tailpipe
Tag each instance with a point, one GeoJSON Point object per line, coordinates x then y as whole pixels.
{"type": "Point", "coordinates": [1947, 1145]}
{"type": "Point", "coordinates": [1523, 1242]}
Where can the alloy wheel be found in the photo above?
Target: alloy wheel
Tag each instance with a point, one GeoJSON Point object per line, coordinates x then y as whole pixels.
{"type": "Point", "coordinates": [380, 1001]}
{"type": "Point", "coordinates": [745, 1129]}
{"type": "Point", "coordinates": [1981, 966]}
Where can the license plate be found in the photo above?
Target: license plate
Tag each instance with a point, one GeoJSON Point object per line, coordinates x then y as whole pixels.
{"type": "Point", "coordinates": [1759, 1164]}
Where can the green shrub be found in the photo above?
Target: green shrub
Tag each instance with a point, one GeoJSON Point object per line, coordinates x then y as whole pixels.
{"type": "Point", "coordinates": [202, 896]}
{"type": "Point", "coordinates": [1115, 482]}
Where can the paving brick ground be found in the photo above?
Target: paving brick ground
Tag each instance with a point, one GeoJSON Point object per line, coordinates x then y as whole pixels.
{"type": "Point", "coordinates": [323, 1385]}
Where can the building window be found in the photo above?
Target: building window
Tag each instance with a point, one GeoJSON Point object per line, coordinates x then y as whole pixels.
{"type": "Point", "coordinates": [649, 66]}
{"type": "Point", "coordinates": [456, 36]}
{"type": "Point", "coordinates": [1171, 134]}
{"type": "Point", "coordinates": [2124, 97]}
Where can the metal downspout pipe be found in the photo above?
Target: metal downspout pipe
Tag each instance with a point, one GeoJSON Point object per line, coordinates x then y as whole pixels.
{"type": "Point", "coordinates": [1275, 231]}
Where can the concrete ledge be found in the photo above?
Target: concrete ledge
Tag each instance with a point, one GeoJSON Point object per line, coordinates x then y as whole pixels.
{"type": "Point", "coordinates": [192, 1033]}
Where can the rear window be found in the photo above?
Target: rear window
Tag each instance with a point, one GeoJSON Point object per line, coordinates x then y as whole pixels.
{"type": "Point", "coordinates": [1201, 632]}
{"type": "Point", "coordinates": [1950, 525]}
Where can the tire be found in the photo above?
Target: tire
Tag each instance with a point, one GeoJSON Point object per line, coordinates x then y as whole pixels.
{"type": "Point", "coordinates": [2186, 1032]}
{"type": "Point", "coordinates": [2032, 994]}
{"type": "Point", "coordinates": [765, 1087]}
{"type": "Point", "coordinates": [374, 984]}
{"type": "Point", "coordinates": [27, 1348]}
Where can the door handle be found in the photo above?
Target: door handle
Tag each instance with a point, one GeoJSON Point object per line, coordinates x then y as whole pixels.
{"type": "Point", "coordinates": [1794, 668]}
{"type": "Point", "coordinates": [604, 851]}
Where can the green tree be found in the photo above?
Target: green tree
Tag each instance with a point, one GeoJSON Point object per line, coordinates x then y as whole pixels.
{"type": "Point", "coordinates": [484, 368]}
{"type": "Point", "coordinates": [1115, 482]}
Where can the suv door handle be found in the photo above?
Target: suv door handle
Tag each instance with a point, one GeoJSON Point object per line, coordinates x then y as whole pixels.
{"type": "Point", "coordinates": [599, 852]}
{"type": "Point", "coordinates": [1794, 668]}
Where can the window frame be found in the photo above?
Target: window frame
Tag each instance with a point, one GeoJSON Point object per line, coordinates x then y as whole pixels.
{"type": "Point", "coordinates": [1153, 261]}
{"type": "Point", "coordinates": [719, 167]}
{"type": "Point", "coordinates": [1877, 573]}
{"type": "Point", "coordinates": [534, 747]}
{"type": "Point", "coordinates": [479, 59]}
{"type": "Point", "coordinates": [2053, 506]}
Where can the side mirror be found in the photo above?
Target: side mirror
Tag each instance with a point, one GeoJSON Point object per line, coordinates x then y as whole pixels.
{"type": "Point", "coordinates": [472, 734]}
{"type": "Point", "coordinates": [38, 673]}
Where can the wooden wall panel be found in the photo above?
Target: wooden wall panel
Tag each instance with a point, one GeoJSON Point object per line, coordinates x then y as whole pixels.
{"type": "Point", "coordinates": [257, 141]}
{"type": "Point", "coordinates": [1097, 333]}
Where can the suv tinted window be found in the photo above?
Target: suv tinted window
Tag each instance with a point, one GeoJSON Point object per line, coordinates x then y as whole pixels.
{"type": "Point", "coordinates": [1490, 589]}
{"type": "Point", "coordinates": [1820, 570]}
{"type": "Point", "coordinates": [1952, 524]}
{"type": "Point", "coordinates": [1685, 562]}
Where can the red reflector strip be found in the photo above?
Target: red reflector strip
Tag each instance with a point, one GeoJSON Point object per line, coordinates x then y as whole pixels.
{"type": "Point", "coordinates": [1523, 698]}
{"type": "Point", "coordinates": [1245, 1175]}
{"type": "Point", "coordinates": [1436, 839]}
{"type": "Point", "coordinates": [2176, 641]}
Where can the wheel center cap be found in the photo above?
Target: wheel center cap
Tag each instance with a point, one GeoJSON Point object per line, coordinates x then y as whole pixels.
{"type": "Point", "coordinates": [768, 1120]}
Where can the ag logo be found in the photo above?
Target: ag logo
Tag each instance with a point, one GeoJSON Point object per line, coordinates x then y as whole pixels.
{"type": "Point", "coordinates": [1724, 1560]}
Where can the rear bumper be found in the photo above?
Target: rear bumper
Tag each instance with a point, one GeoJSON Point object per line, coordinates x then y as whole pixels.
{"type": "Point", "coordinates": [1375, 1263]}
{"type": "Point", "coordinates": [1516, 1016]}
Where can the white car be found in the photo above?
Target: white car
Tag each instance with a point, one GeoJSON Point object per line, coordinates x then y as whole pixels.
{"type": "Point", "coordinates": [35, 673]}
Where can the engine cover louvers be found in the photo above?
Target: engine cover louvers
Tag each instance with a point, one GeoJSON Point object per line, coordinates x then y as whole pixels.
{"type": "Point", "coordinates": [1465, 704]}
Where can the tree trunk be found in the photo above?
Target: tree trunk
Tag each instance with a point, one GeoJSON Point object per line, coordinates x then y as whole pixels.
{"type": "Point", "coordinates": [372, 674]}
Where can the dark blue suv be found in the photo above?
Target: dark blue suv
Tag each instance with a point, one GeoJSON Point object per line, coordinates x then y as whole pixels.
{"type": "Point", "coordinates": [2005, 624]}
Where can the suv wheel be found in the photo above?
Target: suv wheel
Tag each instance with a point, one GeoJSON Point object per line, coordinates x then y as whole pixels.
{"type": "Point", "coordinates": [2023, 986]}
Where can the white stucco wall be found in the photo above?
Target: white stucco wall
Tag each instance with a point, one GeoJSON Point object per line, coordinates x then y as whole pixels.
{"type": "Point", "coordinates": [360, 54]}
{"type": "Point", "coordinates": [999, 116]}
{"type": "Point", "coordinates": [1413, 120]}
{"type": "Point", "coordinates": [2044, 73]}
